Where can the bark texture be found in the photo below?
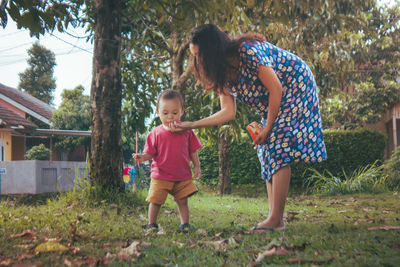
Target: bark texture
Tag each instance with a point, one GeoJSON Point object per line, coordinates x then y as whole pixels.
{"type": "Point", "coordinates": [224, 168]}
{"type": "Point", "coordinates": [106, 94]}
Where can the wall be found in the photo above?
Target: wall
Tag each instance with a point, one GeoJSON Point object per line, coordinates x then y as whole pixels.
{"type": "Point", "coordinates": [40, 176]}
{"type": "Point", "coordinates": [5, 137]}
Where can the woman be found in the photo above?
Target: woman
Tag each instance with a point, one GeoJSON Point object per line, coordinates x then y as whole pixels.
{"type": "Point", "coordinates": [279, 86]}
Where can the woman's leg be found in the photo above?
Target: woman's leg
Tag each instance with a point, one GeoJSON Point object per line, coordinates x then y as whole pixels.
{"type": "Point", "coordinates": [278, 191]}
{"type": "Point", "coordinates": [270, 198]}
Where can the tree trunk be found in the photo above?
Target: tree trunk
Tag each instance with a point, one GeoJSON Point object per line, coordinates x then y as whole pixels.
{"type": "Point", "coordinates": [106, 94]}
{"type": "Point", "coordinates": [224, 168]}
{"type": "Point", "coordinates": [177, 54]}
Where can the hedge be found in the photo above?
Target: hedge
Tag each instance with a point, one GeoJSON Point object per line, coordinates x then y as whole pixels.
{"type": "Point", "coordinates": [347, 150]}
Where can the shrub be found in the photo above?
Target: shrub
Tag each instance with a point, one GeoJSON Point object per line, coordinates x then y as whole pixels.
{"type": "Point", "coordinates": [367, 179]}
{"type": "Point", "coordinates": [392, 169]}
{"type": "Point", "coordinates": [245, 167]}
{"type": "Point", "coordinates": [348, 150]}
{"type": "Point", "coordinates": [39, 152]}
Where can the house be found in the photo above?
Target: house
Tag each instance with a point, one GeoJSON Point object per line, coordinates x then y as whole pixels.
{"type": "Point", "coordinates": [25, 122]}
{"type": "Point", "coordinates": [390, 126]}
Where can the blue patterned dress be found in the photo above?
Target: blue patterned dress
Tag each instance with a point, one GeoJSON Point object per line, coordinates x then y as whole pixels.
{"type": "Point", "coordinates": [296, 134]}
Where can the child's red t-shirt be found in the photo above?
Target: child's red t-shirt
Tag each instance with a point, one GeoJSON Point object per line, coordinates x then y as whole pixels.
{"type": "Point", "coordinates": [171, 153]}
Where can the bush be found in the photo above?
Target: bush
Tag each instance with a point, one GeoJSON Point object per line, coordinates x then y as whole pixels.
{"type": "Point", "coordinates": [39, 152]}
{"type": "Point", "coordinates": [392, 169]}
{"type": "Point", "coordinates": [348, 150]}
{"type": "Point", "coordinates": [245, 167]}
{"type": "Point", "coordinates": [367, 179]}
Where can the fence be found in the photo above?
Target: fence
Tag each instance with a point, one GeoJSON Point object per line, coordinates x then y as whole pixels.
{"type": "Point", "coordinates": [40, 176]}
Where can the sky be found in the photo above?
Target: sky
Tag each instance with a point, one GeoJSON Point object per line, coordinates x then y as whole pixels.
{"type": "Point", "coordinates": [73, 57]}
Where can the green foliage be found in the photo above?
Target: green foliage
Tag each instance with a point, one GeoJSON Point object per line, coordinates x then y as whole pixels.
{"type": "Point", "coordinates": [392, 169]}
{"type": "Point", "coordinates": [245, 167]}
{"type": "Point", "coordinates": [38, 80]}
{"type": "Point", "coordinates": [348, 150]}
{"type": "Point", "coordinates": [366, 105]}
{"type": "Point", "coordinates": [41, 16]}
{"type": "Point", "coordinates": [39, 152]}
{"type": "Point", "coordinates": [73, 114]}
{"type": "Point", "coordinates": [368, 179]}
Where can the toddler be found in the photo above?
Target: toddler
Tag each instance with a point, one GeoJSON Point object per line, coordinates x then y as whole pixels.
{"type": "Point", "coordinates": [171, 154]}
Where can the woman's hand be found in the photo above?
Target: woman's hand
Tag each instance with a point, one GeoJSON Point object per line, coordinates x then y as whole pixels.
{"type": "Point", "coordinates": [262, 137]}
{"type": "Point", "coordinates": [180, 126]}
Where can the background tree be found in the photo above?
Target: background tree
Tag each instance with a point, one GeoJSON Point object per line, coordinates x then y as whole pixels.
{"type": "Point", "coordinates": [72, 114]}
{"type": "Point", "coordinates": [159, 44]}
{"type": "Point", "coordinates": [37, 80]}
{"type": "Point", "coordinates": [45, 16]}
{"type": "Point", "coordinates": [41, 16]}
{"type": "Point", "coordinates": [325, 33]}
{"type": "Point", "coordinates": [370, 86]}
{"type": "Point", "coordinates": [106, 96]}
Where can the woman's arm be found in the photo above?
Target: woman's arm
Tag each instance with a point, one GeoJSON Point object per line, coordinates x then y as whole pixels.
{"type": "Point", "coordinates": [271, 82]}
{"type": "Point", "coordinates": [227, 113]}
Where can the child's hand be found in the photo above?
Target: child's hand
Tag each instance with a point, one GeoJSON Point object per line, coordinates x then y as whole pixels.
{"type": "Point", "coordinates": [139, 158]}
{"type": "Point", "coordinates": [197, 173]}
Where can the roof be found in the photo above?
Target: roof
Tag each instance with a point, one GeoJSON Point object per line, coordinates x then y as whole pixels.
{"type": "Point", "coordinates": [10, 118]}
{"type": "Point", "coordinates": [29, 104]}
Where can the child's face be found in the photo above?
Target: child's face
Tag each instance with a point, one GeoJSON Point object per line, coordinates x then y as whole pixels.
{"type": "Point", "coordinates": [169, 110]}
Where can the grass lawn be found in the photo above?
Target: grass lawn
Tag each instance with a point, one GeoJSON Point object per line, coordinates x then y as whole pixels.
{"type": "Point", "coordinates": [70, 230]}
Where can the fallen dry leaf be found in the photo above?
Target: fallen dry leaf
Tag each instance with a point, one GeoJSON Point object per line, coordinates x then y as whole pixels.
{"type": "Point", "coordinates": [5, 262]}
{"type": "Point", "coordinates": [218, 245]}
{"type": "Point", "coordinates": [82, 261]}
{"type": "Point", "coordinates": [74, 250]}
{"type": "Point", "coordinates": [132, 250]}
{"type": "Point", "coordinates": [201, 231]}
{"type": "Point", "coordinates": [386, 227]}
{"type": "Point", "coordinates": [218, 235]}
{"type": "Point", "coordinates": [27, 234]}
{"type": "Point", "coordinates": [178, 244]}
{"type": "Point", "coordinates": [108, 257]}
{"type": "Point", "coordinates": [282, 251]}
{"type": "Point", "coordinates": [25, 256]}
{"type": "Point", "coordinates": [67, 262]}
{"type": "Point", "coordinates": [192, 246]}
{"type": "Point", "coordinates": [50, 247]}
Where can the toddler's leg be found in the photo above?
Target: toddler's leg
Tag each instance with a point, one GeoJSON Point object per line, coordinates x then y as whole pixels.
{"type": "Point", "coordinates": [183, 208]}
{"type": "Point", "coordinates": [153, 212]}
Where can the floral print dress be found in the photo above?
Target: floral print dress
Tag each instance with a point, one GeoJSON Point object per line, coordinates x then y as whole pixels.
{"type": "Point", "coordinates": [296, 134]}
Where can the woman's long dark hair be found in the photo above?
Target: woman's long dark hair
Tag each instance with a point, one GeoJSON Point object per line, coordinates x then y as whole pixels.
{"type": "Point", "coordinates": [211, 66]}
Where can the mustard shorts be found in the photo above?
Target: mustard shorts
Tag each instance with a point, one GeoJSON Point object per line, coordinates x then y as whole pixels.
{"type": "Point", "coordinates": [159, 190]}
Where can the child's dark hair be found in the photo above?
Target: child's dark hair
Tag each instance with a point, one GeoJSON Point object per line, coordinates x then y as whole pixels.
{"type": "Point", "coordinates": [170, 94]}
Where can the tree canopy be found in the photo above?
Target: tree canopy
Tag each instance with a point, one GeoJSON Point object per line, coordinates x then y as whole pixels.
{"type": "Point", "coordinates": [72, 114]}
{"type": "Point", "coordinates": [37, 79]}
